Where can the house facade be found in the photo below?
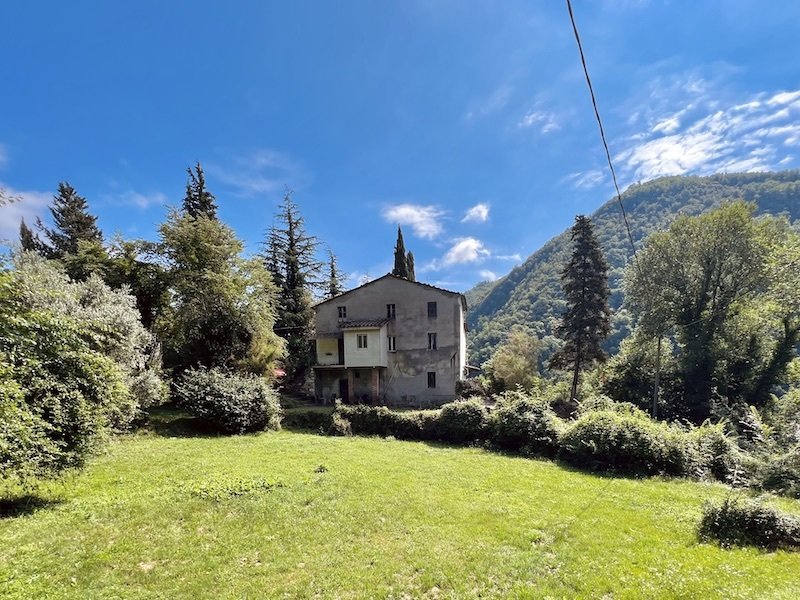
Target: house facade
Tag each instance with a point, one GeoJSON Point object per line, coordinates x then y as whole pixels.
{"type": "Point", "coordinates": [391, 341]}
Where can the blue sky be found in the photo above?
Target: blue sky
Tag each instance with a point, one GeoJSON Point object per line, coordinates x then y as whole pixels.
{"type": "Point", "coordinates": [467, 122]}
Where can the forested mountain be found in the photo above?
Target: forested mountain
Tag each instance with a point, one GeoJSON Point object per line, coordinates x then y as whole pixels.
{"type": "Point", "coordinates": [531, 293]}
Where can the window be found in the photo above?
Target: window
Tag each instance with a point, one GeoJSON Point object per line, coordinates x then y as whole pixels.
{"type": "Point", "coordinates": [431, 310]}
{"type": "Point", "coordinates": [392, 343]}
{"type": "Point", "coordinates": [390, 311]}
{"type": "Point", "coordinates": [342, 311]}
{"type": "Point", "coordinates": [431, 341]}
{"type": "Point", "coordinates": [431, 379]}
{"type": "Point", "coordinates": [361, 340]}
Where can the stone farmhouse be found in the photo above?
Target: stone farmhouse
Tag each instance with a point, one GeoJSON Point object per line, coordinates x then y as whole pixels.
{"type": "Point", "coordinates": [391, 341]}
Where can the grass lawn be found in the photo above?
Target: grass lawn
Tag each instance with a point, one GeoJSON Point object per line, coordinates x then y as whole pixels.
{"type": "Point", "coordinates": [298, 515]}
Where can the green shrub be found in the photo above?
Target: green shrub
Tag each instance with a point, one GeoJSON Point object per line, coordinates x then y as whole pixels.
{"type": "Point", "coordinates": [738, 523]}
{"type": "Point", "coordinates": [628, 443]}
{"type": "Point", "coordinates": [232, 402]}
{"type": "Point", "coordinates": [779, 473]}
{"type": "Point", "coordinates": [460, 422]}
{"type": "Point", "coordinates": [520, 423]}
{"type": "Point", "coordinates": [307, 418]}
{"type": "Point", "coordinates": [340, 426]}
{"type": "Point", "coordinates": [718, 455]}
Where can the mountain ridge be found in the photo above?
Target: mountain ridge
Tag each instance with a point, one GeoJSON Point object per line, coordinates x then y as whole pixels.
{"type": "Point", "coordinates": [530, 294]}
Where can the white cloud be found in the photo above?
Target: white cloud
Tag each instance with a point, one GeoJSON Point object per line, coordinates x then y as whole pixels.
{"type": "Point", "coordinates": [545, 121]}
{"type": "Point", "coordinates": [465, 250]}
{"type": "Point", "coordinates": [31, 204]}
{"type": "Point", "coordinates": [260, 172]}
{"type": "Point", "coordinates": [512, 257]}
{"type": "Point", "coordinates": [477, 214]}
{"type": "Point", "coordinates": [487, 275]}
{"type": "Point", "coordinates": [707, 137]}
{"type": "Point", "coordinates": [585, 180]}
{"type": "Point", "coordinates": [425, 221]}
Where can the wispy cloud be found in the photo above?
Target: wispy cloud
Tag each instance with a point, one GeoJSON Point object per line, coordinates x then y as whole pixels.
{"type": "Point", "coordinates": [487, 275]}
{"type": "Point", "coordinates": [31, 204]}
{"type": "Point", "coordinates": [758, 134]}
{"type": "Point", "coordinates": [260, 172]}
{"type": "Point", "coordinates": [512, 257]}
{"type": "Point", "coordinates": [544, 121]}
{"type": "Point", "coordinates": [585, 180]}
{"type": "Point", "coordinates": [425, 221]}
{"type": "Point", "coordinates": [477, 214]}
{"type": "Point", "coordinates": [494, 102]}
{"type": "Point", "coordinates": [141, 200]}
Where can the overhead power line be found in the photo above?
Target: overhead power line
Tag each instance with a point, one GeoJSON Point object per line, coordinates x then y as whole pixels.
{"type": "Point", "coordinates": [600, 125]}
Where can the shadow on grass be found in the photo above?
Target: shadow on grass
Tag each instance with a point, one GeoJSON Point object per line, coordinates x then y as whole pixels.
{"type": "Point", "coordinates": [169, 421]}
{"type": "Point", "coordinates": [24, 504]}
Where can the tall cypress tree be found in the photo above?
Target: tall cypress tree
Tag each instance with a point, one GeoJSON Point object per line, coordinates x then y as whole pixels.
{"type": "Point", "coordinates": [587, 320]}
{"type": "Point", "coordinates": [400, 258]}
{"type": "Point", "coordinates": [73, 223]}
{"type": "Point", "coordinates": [412, 276]}
{"type": "Point", "coordinates": [403, 262]}
{"type": "Point", "coordinates": [198, 201]}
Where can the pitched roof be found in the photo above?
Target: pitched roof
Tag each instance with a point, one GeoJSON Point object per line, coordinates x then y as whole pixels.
{"type": "Point", "coordinates": [390, 276]}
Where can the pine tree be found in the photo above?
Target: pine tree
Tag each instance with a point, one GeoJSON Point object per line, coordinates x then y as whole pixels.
{"type": "Point", "coordinates": [587, 320]}
{"type": "Point", "coordinates": [29, 241]}
{"type": "Point", "coordinates": [291, 259]}
{"type": "Point", "coordinates": [334, 285]}
{"type": "Point", "coordinates": [198, 201]}
{"type": "Point", "coordinates": [73, 223]}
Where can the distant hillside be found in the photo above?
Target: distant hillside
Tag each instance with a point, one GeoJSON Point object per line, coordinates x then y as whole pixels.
{"type": "Point", "coordinates": [531, 293]}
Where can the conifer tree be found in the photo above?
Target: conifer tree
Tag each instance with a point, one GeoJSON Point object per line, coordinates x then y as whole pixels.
{"type": "Point", "coordinates": [410, 267]}
{"type": "Point", "coordinates": [198, 200]}
{"type": "Point", "coordinates": [400, 258]}
{"type": "Point", "coordinates": [334, 285]}
{"type": "Point", "coordinates": [73, 223]}
{"type": "Point", "coordinates": [291, 259]}
{"type": "Point", "coordinates": [28, 240]}
{"type": "Point", "coordinates": [587, 319]}
{"type": "Point", "coordinates": [403, 262]}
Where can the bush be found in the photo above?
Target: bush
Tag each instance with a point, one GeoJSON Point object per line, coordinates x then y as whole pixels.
{"type": "Point", "coordinates": [627, 443]}
{"type": "Point", "coordinates": [232, 402]}
{"type": "Point", "coordinates": [718, 455]}
{"type": "Point", "coordinates": [460, 422]}
{"type": "Point", "coordinates": [520, 423]}
{"type": "Point", "coordinates": [59, 396]}
{"type": "Point", "coordinates": [340, 426]}
{"type": "Point", "coordinates": [737, 523]}
{"type": "Point", "coordinates": [778, 473]}
{"type": "Point", "coordinates": [307, 418]}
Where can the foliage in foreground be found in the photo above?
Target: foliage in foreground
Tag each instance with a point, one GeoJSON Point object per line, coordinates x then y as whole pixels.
{"type": "Point", "coordinates": [75, 363]}
{"type": "Point", "coordinates": [232, 402]}
{"type": "Point", "coordinates": [735, 522]}
{"type": "Point", "coordinates": [258, 517]}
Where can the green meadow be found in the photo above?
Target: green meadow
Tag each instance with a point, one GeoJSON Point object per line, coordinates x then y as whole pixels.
{"type": "Point", "coordinates": [173, 513]}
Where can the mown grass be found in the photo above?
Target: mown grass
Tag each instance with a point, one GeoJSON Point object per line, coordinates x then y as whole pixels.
{"type": "Point", "coordinates": [166, 515]}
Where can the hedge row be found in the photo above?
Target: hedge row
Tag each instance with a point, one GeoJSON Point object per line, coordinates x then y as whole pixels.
{"type": "Point", "coordinates": [605, 436]}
